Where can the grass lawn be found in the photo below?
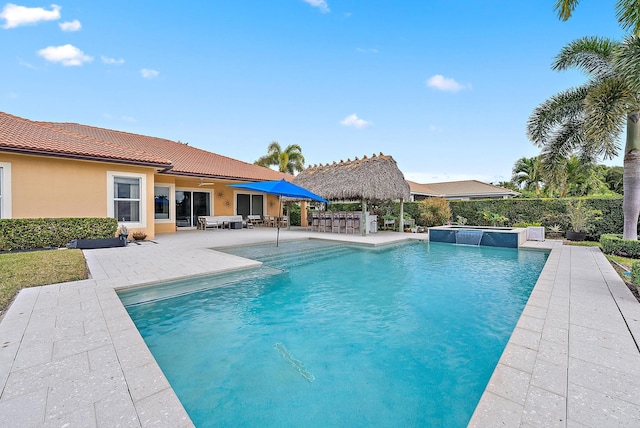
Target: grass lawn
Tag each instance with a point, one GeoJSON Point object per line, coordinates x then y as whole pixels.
{"type": "Point", "coordinates": [30, 269]}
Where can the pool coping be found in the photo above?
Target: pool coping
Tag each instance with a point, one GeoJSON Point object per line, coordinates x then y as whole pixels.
{"type": "Point", "coordinates": [69, 353]}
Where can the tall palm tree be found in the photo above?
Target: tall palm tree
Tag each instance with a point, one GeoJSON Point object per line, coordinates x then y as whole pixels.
{"type": "Point", "coordinates": [627, 12]}
{"type": "Point", "coordinates": [290, 160]}
{"type": "Point", "coordinates": [527, 174]}
{"type": "Point", "coordinates": [589, 119]}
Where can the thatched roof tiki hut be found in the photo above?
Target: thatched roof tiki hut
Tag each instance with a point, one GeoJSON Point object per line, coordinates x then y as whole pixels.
{"type": "Point", "coordinates": [377, 177]}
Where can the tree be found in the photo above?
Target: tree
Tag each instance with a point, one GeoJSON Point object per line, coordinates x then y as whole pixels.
{"type": "Point", "coordinates": [613, 178]}
{"type": "Point", "coordinates": [627, 12]}
{"type": "Point", "coordinates": [527, 174]}
{"type": "Point", "coordinates": [589, 119]}
{"type": "Point", "coordinates": [290, 160]}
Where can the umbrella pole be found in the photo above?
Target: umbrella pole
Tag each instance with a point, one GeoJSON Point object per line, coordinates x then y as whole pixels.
{"type": "Point", "coordinates": [278, 222]}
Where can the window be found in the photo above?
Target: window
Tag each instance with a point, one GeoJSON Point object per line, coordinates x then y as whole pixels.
{"type": "Point", "coordinates": [5, 190]}
{"type": "Point", "coordinates": [126, 194]}
{"type": "Point", "coordinates": [249, 204]}
{"type": "Point", "coordinates": [161, 202]}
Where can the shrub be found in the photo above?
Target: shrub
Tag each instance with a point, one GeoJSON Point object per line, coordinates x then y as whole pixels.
{"type": "Point", "coordinates": [433, 212]}
{"type": "Point", "coordinates": [548, 211]}
{"type": "Point", "coordinates": [614, 244]}
{"type": "Point", "coordinates": [30, 233]}
{"type": "Point", "coordinates": [635, 273]}
{"type": "Point", "coordinates": [527, 224]}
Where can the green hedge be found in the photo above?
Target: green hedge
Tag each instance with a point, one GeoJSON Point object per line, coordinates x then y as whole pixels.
{"type": "Point", "coordinates": [614, 244]}
{"type": "Point", "coordinates": [546, 211]}
{"type": "Point", "coordinates": [30, 233]}
{"type": "Point", "coordinates": [635, 273]}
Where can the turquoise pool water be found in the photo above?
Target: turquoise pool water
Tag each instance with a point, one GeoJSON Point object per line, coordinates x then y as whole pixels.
{"type": "Point", "coordinates": [333, 335]}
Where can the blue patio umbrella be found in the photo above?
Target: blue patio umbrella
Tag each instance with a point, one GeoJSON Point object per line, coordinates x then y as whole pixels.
{"type": "Point", "coordinates": [280, 188]}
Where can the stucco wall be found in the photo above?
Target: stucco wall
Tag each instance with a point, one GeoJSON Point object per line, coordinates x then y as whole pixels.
{"type": "Point", "coordinates": [52, 187]}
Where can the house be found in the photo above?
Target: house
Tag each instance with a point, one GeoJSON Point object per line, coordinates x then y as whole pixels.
{"type": "Point", "coordinates": [150, 184]}
{"type": "Point", "coordinates": [459, 190]}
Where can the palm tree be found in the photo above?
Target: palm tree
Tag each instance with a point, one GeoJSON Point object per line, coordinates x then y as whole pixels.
{"type": "Point", "coordinates": [290, 160]}
{"type": "Point", "coordinates": [589, 119]}
{"type": "Point", "coordinates": [527, 174]}
{"type": "Point", "coordinates": [627, 12]}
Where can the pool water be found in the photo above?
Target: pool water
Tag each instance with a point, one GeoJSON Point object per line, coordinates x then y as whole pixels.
{"type": "Point", "coordinates": [343, 336]}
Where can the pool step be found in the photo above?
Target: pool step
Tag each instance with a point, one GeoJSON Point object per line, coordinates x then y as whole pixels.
{"type": "Point", "coordinates": [154, 292]}
{"type": "Point", "coordinates": [301, 257]}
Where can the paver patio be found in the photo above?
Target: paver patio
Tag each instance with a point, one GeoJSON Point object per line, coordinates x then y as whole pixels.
{"type": "Point", "coordinates": [71, 356]}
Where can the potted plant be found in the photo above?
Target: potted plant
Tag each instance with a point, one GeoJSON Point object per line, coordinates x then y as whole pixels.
{"type": "Point", "coordinates": [123, 232]}
{"type": "Point", "coordinates": [555, 231]}
{"type": "Point", "coordinates": [579, 216]}
{"type": "Point", "coordinates": [139, 235]}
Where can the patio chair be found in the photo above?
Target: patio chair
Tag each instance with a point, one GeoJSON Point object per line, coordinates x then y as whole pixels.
{"type": "Point", "coordinates": [339, 222]}
{"type": "Point", "coordinates": [284, 221]}
{"type": "Point", "coordinates": [255, 219]}
{"type": "Point", "coordinates": [353, 223]}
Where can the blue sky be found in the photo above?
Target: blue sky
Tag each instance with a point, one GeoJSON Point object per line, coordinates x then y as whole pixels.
{"type": "Point", "coordinates": [443, 86]}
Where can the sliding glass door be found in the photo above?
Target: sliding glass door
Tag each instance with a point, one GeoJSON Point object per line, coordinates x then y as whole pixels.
{"type": "Point", "coordinates": [190, 205]}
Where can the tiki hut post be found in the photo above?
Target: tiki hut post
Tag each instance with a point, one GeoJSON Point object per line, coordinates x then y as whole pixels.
{"type": "Point", "coordinates": [363, 222]}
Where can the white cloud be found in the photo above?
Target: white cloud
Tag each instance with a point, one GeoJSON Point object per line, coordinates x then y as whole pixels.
{"type": "Point", "coordinates": [320, 4]}
{"type": "Point", "coordinates": [355, 121]}
{"type": "Point", "coordinates": [20, 15]}
{"type": "Point", "coordinates": [68, 55]}
{"type": "Point", "coordinates": [445, 84]}
{"type": "Point", "coordinates": [149, 74]}
{"type": "Point", "coordinates": [74, 25]}
{"type": "Point", "coordinates": [113, 61]}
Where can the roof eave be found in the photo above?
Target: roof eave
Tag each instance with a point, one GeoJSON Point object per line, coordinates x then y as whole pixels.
{"type": "Point", "coordinates": [26, 151]}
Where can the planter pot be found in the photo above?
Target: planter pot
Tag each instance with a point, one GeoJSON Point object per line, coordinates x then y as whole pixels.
{"type": "Point", "coordinates": [576, 236]}
{"type": "Point", "coordinates": [87, 244]}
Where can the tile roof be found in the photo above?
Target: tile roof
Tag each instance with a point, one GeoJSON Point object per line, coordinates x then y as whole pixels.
{"type": "Point", "coordinates": [20, 135]}
{"type": "Point", "coordinates": [185, 159]}
{"type": "Point", "coordinates": [464, 188]}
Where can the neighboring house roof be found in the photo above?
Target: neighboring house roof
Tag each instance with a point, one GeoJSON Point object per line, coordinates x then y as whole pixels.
{"type": "Point", "coordinates": [20, 135]}
{"type": "Point", "coordinates": [460, 189]}
{"type": "Point", "coordinates": [377, 177]}
{"type": "Point", "coordinates": [185, 160]}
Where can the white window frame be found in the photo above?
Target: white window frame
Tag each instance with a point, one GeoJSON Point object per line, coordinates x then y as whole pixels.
{"type": "Point", "coordinates": [172, 203]}
{"type": "Point", "coordinates": [111, 175]}
{"type": "Point", "coordinates": [5, 190]}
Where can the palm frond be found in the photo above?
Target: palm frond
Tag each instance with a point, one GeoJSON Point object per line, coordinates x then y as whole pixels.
{"type": "Point", "coordinates": [606, 108]}
{"type": "Point", "coordinates": [565, 8]}
{"type": "Point", "coordinates": [557, 110]}
{"type": "Point", "coordinates": [589, 54]}
{"type": "Point", "coordinates": [626, 60]}
{"type": "Point", "coordinates": [628, 14]}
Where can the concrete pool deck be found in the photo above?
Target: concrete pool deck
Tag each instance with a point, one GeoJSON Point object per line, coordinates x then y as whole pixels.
{"type": "Point", "coordinates": [71, 356]}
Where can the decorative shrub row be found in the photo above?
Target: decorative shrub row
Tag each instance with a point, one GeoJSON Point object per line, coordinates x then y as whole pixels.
{"type": "Point", "coordinates": [30, 233]}
{"type": "Point", "coordinates": [614, 244]}
{"type": "Point", "coordinates": [546, 211]}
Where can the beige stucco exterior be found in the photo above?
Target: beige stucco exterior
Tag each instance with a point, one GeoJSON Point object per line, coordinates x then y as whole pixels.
{"type": "Point", "coordinates": [55, 188]}
{"type": "Point", "coordinates": [45, 186]}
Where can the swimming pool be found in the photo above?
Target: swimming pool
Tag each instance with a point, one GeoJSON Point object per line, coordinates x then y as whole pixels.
{"type": "Point", "coordinates": [335, 335]}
